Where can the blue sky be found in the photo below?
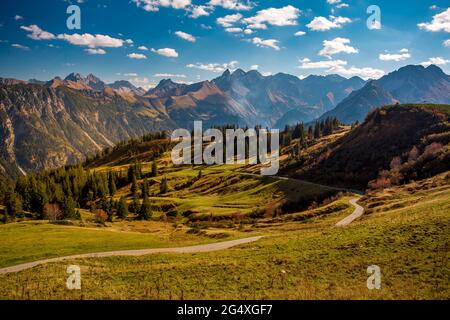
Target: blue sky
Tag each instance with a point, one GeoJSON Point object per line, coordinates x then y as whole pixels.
{"type": "Point", "coordinates": [192, 40]}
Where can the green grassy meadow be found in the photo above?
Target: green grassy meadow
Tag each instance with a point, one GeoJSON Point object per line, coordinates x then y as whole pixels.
{"type": "Point", "coordinates": [304, 259]}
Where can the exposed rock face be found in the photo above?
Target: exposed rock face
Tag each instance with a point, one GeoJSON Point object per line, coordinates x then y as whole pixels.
{"type": "Point", "coordinates": [43, 127]}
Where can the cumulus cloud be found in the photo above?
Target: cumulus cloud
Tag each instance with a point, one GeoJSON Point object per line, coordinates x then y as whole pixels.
{"type": "Point", "coordinates": [143, 48]}
{"type": "Point", "coordinates": [37, 33]}
{"type": "Point", "coordinates": [137, 56]}
{"type": "Point", "coordinates": [185, 36]}
{"type": "Point", "coordinates": [254, 67]}
{"type": "Point", "coordinates": [400, 56]}
{"type": "Point", "coordinates": [266, 43]}
{"type": "Point", "coordinates": [229, 20]}
{"type": "Point", "coordinates": [446, 43]}
{"type": "Point", "coordinates": [234, 30]}
{"type": "Point", "coordinates": [440, 22]}
{"type": "Point", "coordinates": [154, 5]}
{"type": "Point", "coordinates": [199, 11]}
{"type": "Point", "coordinates": [324, 24]}
{"type": "Point", "coordinates": [286, 16]}
{"type": "Point", "coordinates": [232, 4]}
{"type": "Point", "coordinates": [214, 67]}
{"type": "Point", "coordinates": [436, 60]}
{"type": "Point", "coordinates": [166, 52]}
{"type": "Point", "coordinates": [91, 41]}
{"type": "Point", "coordinates": [19, 46]}
{"type": "Point", "coordinates": [335, 46]}
{"type": "Point", "coordinates": [340, 67]}
{"type": "Point", "coordinates": [17, 17]}
{"type": "Point", "coordinates": [169, 75]}
{"type": "Point", "coordinates": [95, 51]}
{"type": "Point", "coordinates": [300, 33]}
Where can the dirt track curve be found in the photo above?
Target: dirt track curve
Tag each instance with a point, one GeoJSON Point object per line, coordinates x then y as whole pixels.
{"type": "Point", "coordinates": [135, 253]}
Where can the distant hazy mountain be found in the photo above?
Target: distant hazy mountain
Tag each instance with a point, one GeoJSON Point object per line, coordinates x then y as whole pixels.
{"type": "Point", "coordinates": [410, 84]}
{"type": "Point", "coordinates": [124, 86]}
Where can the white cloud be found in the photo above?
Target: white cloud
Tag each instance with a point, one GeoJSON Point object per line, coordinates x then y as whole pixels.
{"type": "Point", "coordinates": [327, 64]}
{"type": "Point", "coordinates": [436, 60]}
{"type": "Point", "coordinates": [19, 46]}
{"type": "Point", "coordinates": [232, 4]}
{"type": "Point", "coordinates": [138, 56]}
{"type": "Point", "coordinates": [286, 16]}
{"type": "Point", "coordinates": [185, 36]}
{"type": "Point", "coordinates": [214, 67]}
{"type": "Point", "coordinates": [154, 5]}
{"type": "Point", "coordinates": [142, 82]}
{"type": "Point", "coordinates": [335, 46]}
{"type": "Point", "coordinates": [169, 75]}
{"type": "Point", "coordinates": [234, 30]}
{"type": "Point", "coordinates": [254, 67]}
{"type": "Point", "coordinates": [17, 17]}
{"type": "Point", "coordinates": [166, 52]}
{"type": "Point", "coordinates": [248, 31]}
{"type": "Point", "coordinates": [446, 43]}
{"type": "Point", "coordinates": [400, 56]}
{"type": "Point", "coordinates": [132, 74]}
{"type": "Point", "coordinates": [342, 5]}
{"type": "Point", "coordinates": [339, 67]}
{"type": "Point", "coordinates": [333, 1]}
{"type": "Point", "coordinates": [143, 48]}
{"type": "Point", "coordinates": [266, 43]}
{"type": "Point", "coordinates": [440, 22]}
{"type": "Point", "coordinates": [95, 51]}
{"type": "Point", "coordinates": [91, 41]}
{"type": "Point", "coordinates": [229, 20]}
{"type": "Point", "coordinates": [324, 24]}
{"type": "Point", "coordinates": [300, 33]}
{"type": "Point", "coordinates": [199, 11]}
{"type": "Point", "coordinates": [37, 33]}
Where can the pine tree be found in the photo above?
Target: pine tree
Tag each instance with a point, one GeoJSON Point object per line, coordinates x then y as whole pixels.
{"type": "Point", "coordinates": [135, 206]}
{"type": "Point", "coordinates": [200, 175]}
{"type": "Point", "coordinates": [134, 186]}
{"type": "Point", "coordinates": [122, 209]}
{"type": "Point", "coordinates": [145, 213]}
{"type": "Point", "coordinates": [145, 188]}
{"type": "Point", "coordinates": [164, 187]}
{"type": "Point", "coordinates": [69, 208]}
{"type": "Point", "coordinates": [13, 205]}
{"type": "Point", "coordinates": [112, 183]}
{"type": "Point", "coordinates": [154, 169]}
{"type": "Point", "coordinates": [317, 131]}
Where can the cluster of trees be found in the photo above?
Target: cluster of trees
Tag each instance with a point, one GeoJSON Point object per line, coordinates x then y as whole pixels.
{"type": "Point", "coordinates": [419, 163]}
{"type": "Point", "coordinates": [57, 193]}
{"type": "Point", "coordinates": [307, 135]}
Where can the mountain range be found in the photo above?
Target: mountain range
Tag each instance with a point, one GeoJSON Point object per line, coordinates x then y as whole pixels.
{"type": "Point", "coordinates": [46, 124]}
{"type": "Point", "coordinates": [410, 84]}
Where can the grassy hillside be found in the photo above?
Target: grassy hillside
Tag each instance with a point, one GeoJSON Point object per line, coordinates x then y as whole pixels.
{"type": "Point", "coordinates": [387, 133]}
{"type": "Point", "coordinates": [309, 259]}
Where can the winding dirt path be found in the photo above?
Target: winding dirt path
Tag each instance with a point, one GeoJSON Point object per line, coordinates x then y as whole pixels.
{"type": "Point", "coordinates": [359, 211]}
{"type": "Point", "coordinates": [135, 253]}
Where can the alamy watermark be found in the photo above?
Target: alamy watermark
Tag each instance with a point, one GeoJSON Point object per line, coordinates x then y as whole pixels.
{"type": "Point", "coordinates": [74, 280]}
{"type": "Point", "coordinates": [74, 20]}
{"type": "Point", "coordinates": [262, 147]}
{"type": "Point", "coordinates": [374, 279]}
{"type": "Point", "coordinates": [374, 20]}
